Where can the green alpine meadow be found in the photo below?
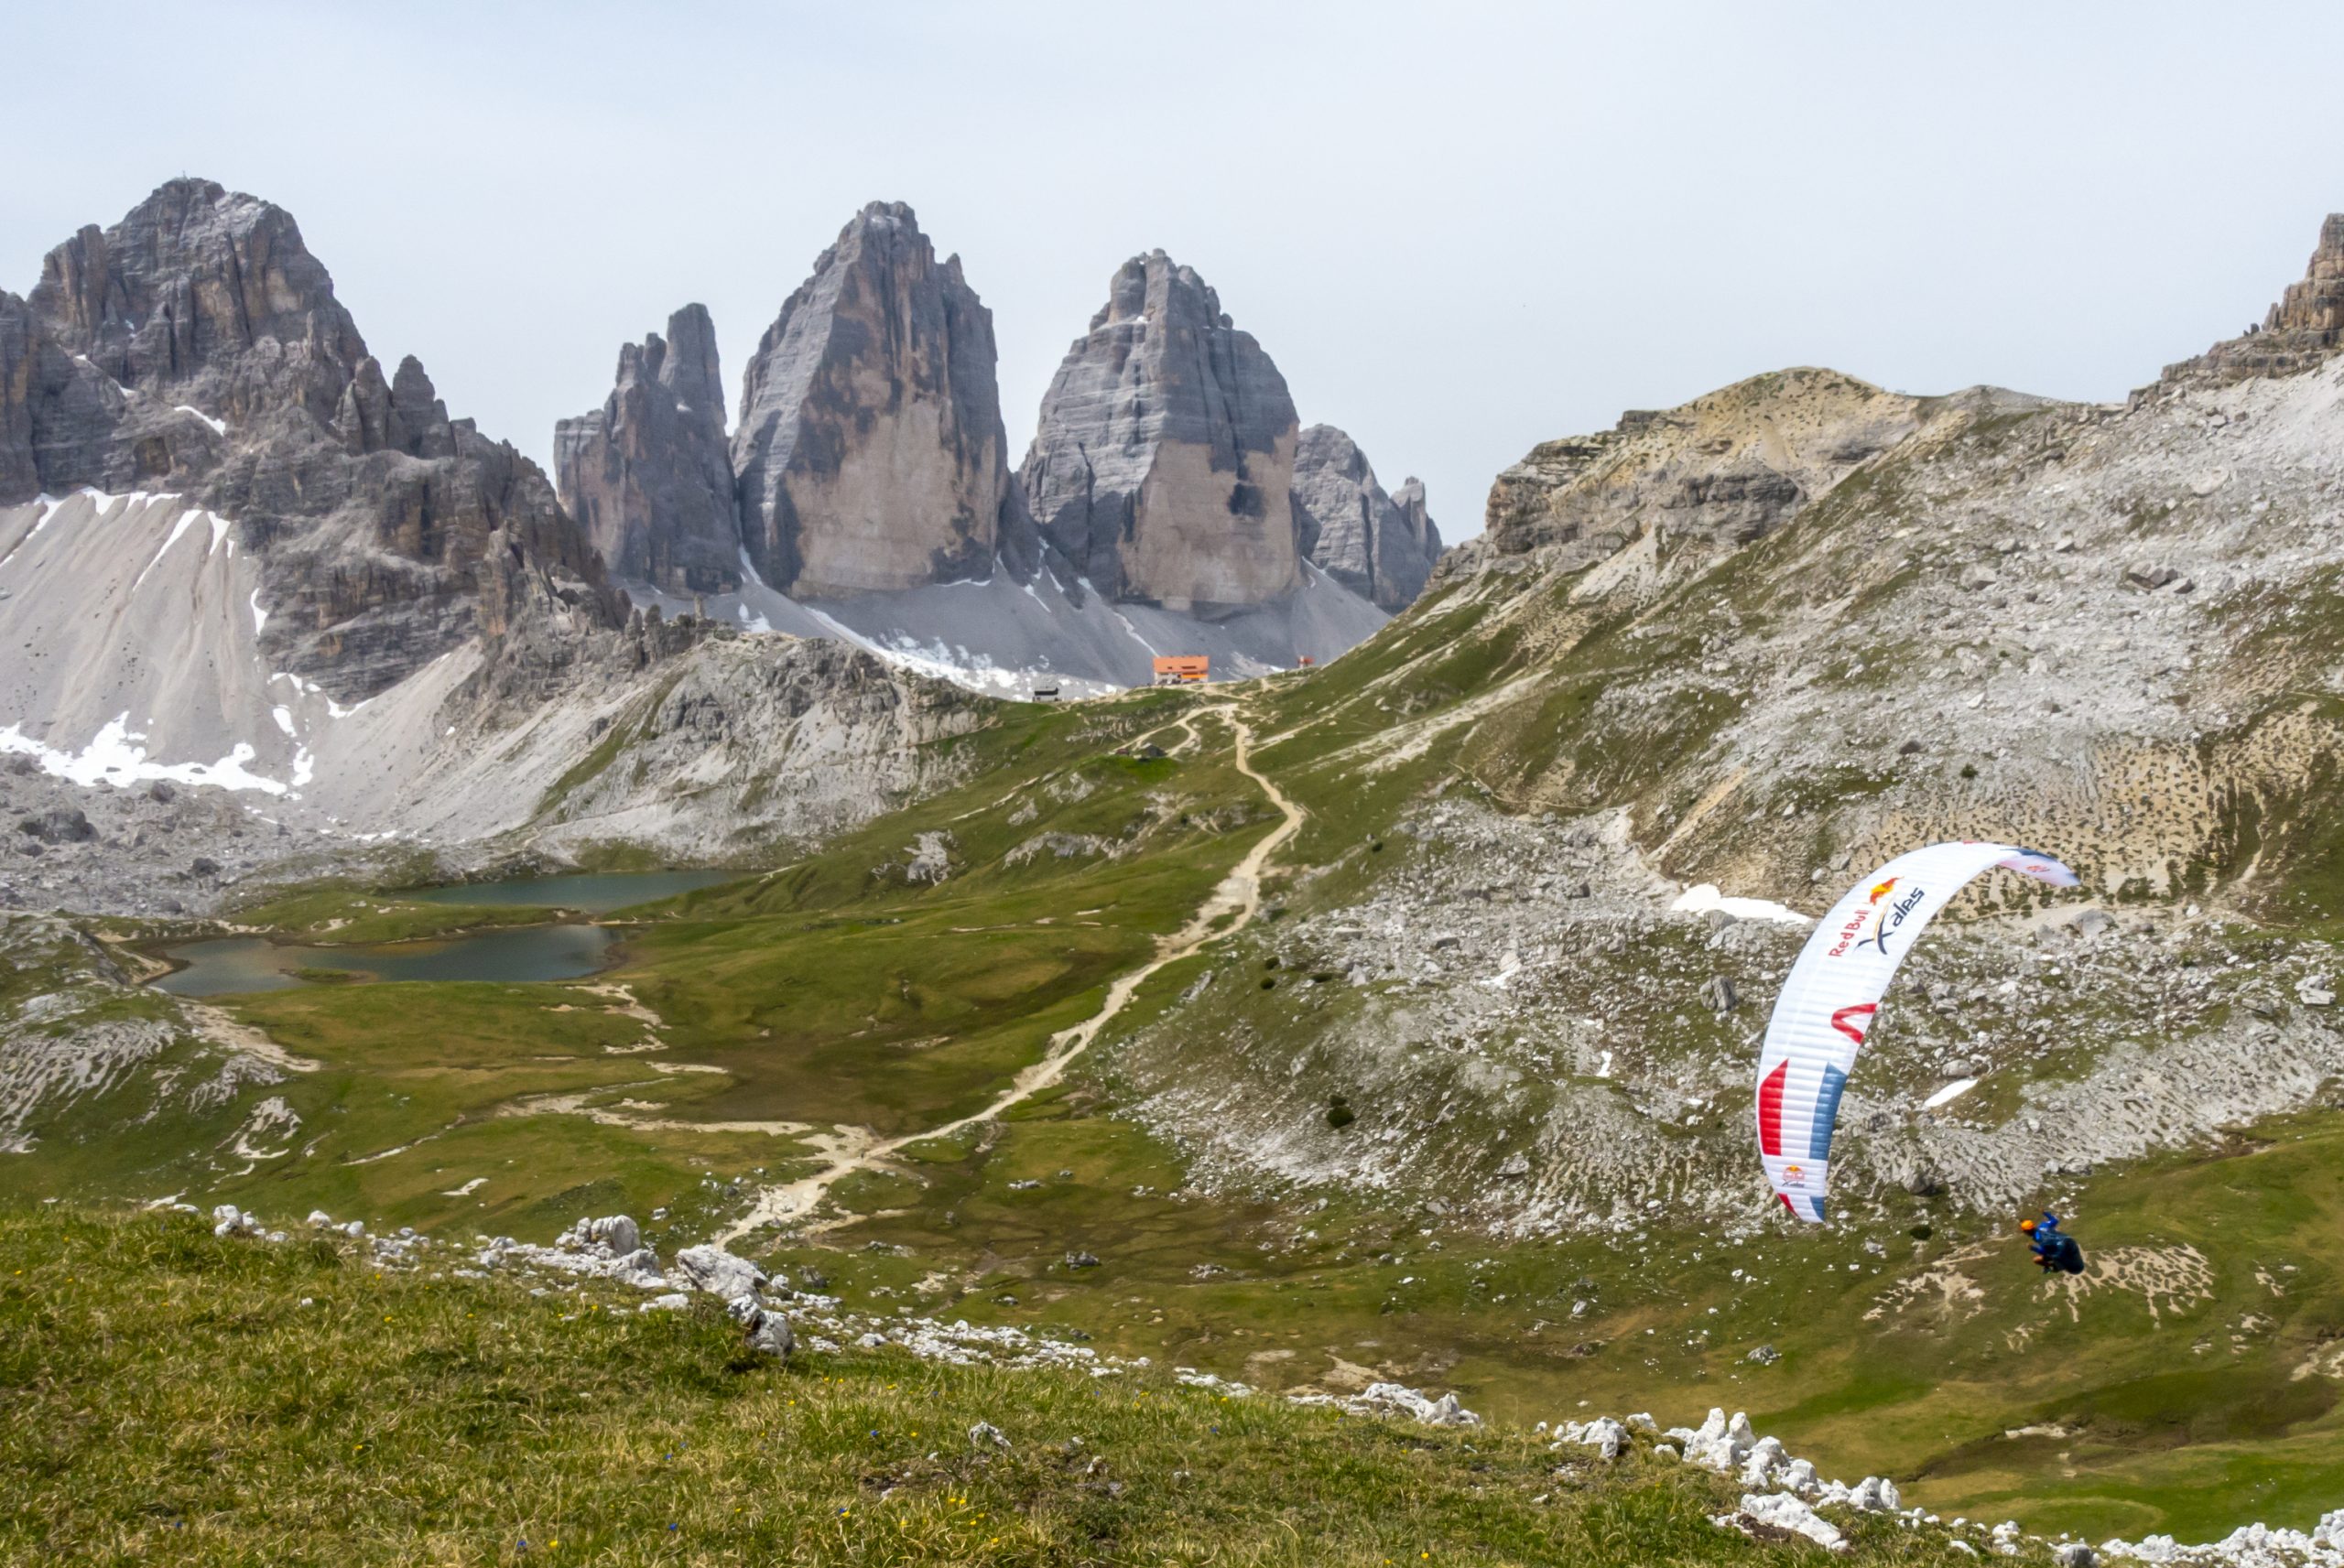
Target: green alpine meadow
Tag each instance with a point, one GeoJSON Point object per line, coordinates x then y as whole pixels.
{"type": "Point", "coordinates": [1012, 822]}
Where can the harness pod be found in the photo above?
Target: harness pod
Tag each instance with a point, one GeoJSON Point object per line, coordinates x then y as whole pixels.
{"type": "Point", "coordinates": [1832, 996]}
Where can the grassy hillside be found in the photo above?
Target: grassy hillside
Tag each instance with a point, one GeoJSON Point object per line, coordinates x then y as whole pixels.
{"type": "Point", "coordinates": [172, 1398]}
{"type": "Point", "coordinates": [1294, 1155]}
{"type": "Point", "coordinates": [835, 991]}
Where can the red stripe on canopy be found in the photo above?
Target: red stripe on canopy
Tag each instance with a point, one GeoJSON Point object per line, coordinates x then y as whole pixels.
{"type": "Point", "coordinates": [1770, 1110]}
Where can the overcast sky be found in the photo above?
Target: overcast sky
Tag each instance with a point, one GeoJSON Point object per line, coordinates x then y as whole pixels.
{"type": "Point", "coordinates": [1459, 229]}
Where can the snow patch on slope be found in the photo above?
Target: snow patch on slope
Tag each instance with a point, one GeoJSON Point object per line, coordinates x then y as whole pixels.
{"type": "Point", "coordinates": [1704, 896]}
{"type": "Point", "coordinates": [113, 757]}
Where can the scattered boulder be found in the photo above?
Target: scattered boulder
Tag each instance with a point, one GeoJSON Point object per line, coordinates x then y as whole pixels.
{"type": "Point", "coordinates": [710, 1268]}
{"type": "Point", "coordinates": [984, 1435]}
{"type": "Point", "coordinates": [1873, 1495]}
{"type": "Point", "coordinates": [1082, 1259]}
{"type": "Point", "coordinates": [1764, 1356]}
{"type": "Point", "coordinates": [1719, 1444]}
{"type": "Point", "coordinates": [767, 1330]}
{"type": "Point", "coordinates": [1609, 1438]}
{"type": "Point", "coordinates": [614, 1236]}
{"type": "Point", "coordinates": [1398, 1399]}
{"type": "Point", "coordinates": [1758, 1466]}
{"type": "Point", "coordinates": [1782, 1511]}
{"type": "Point", "coordinates": [60, 825]}
{"type": "Point", "coordinates": [1720, 996]}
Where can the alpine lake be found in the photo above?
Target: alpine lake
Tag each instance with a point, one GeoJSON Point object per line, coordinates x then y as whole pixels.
{"type": "Point", "coordinates": [561, 949]}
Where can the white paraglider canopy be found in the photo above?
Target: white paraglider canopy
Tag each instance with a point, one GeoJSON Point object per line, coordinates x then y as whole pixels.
{"type": "Point", "coordinates": [1832, 996]}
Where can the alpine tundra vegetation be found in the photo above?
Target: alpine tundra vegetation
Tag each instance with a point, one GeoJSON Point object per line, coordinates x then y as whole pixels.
{"type": "Point", "coordinates": [1293, 1119]}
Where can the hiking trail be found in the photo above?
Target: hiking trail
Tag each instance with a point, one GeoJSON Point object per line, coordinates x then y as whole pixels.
{"type": "Point", "coordinates": [1238, 893]}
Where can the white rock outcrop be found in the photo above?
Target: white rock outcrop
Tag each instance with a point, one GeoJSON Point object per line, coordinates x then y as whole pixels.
{"type": "Point", "coordinates": [713, 1270]}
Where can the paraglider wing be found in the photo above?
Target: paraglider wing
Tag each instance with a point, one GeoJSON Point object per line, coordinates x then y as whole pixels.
{"type": "Point", "coordinates": [1832, 996]}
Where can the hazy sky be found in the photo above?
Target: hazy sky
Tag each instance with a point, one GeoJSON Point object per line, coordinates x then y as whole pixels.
{"type": "Point", "coordinates": [1459, 229]}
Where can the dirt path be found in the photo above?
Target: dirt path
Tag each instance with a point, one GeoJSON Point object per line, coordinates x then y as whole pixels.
{"type": "Point", "coordinates": [224, 1028]}
{"type": "Point", "coordinates": [1239, 894]}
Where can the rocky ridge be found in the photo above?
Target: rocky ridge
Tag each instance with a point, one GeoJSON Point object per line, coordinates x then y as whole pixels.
{"type": "Point", "coordinates": [2300, 332]}
{"type": "Point", "coordinates": [1380, 545]}
{"type": "Point", "coordinates": [1722, 471]}
{"type": "Point", "coordinates": [870, 434]}
{"type": "Point", "coordinates": [649, 474]}
{"type": "Point", "coordinates": [311, 590]}
{"type": "Point", "coordinates": [2110, 631]}
{"type": "Point", "coordinates": [196, 348]}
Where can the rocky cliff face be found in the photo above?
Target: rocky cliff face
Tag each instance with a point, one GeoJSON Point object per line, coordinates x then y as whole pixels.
{"type": "Point", "coordinates": [19, 349]}
{"type": "Point", "coordinates": [1164, 462]}
{"type": "Point", "coordinates": [1721, 471]}
{"type": "Point", "coordinates": [648, 475]}
{"type": "Point", "coordinates": [2303, 330]}
{"type": "Point", "coordinates": [870, 453]}
{"type": "Point", "coordinates": [197, 348]}
{"type": "Point", "coordinates": [1374, 544]}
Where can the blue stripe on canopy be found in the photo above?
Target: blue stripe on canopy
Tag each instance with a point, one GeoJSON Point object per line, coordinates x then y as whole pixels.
{"type": "Point", "coordinates": [1826, 1112]}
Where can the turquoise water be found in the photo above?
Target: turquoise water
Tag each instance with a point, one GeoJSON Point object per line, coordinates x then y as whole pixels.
{"type": "Point", "coordinates": [594, 892]}
{"type": "Point", "coordinates": [518, 953]}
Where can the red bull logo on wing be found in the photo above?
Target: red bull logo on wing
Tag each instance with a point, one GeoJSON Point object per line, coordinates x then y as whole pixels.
{"type": "Point", "coordinates": [1883, 922]}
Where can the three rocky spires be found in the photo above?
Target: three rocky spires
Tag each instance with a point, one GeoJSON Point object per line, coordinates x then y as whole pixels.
{"type": "Point", "coordinates": [1169, 468]}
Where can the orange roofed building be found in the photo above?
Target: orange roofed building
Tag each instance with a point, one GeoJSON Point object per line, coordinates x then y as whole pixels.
{"type": "Point", "coordinates": [1183, 669]}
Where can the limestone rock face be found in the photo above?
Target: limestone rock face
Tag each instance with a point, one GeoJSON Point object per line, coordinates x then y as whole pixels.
{"type": "Point", "coordinates": [1418, 530]}
{"type": "Point", "coordinates": [1164, 459]}
{"type": "Point", "coordinates": [196, 347]}
{"type": "Point", "coordinates": [19, 469]}
{"type": "Point", "coordinates": [208, 293]}
{"type": "Point", "coordinates": [870, 454]}
{"type": "Point", "coordinates": [1351, 529]}
{"type": "Point", "coordinates": [1721, 471]}
{"type": "Point", "coordinates": [2303, 330]}
{"type": "Point", "coordinates": [648, 475]}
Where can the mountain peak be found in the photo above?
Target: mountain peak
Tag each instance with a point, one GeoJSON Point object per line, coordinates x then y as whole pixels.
{"type": "Point", "coordinates": [647, 475]}
{"type": "Point", "coordinates": [189, 280]}
{"type": "Point", "coordinates": [870, 453]}
{"type": "Point", "coordinates": [2301, 331]}
{"type": "Point", "coordinates": [1154, 286]}
{"type": "Point", "coordinates": [1164, 458]}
